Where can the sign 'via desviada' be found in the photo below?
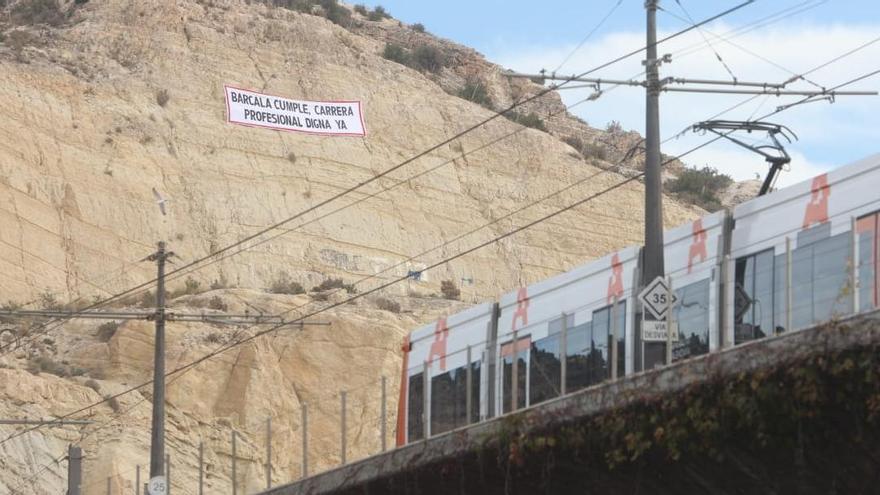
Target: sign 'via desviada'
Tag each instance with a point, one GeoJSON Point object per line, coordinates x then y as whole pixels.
{"type": "Point", "coordinates": [329, 118]}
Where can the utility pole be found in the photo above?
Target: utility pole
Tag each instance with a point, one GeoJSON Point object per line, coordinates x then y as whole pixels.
{"type": "Point", "coordinates": [160, 315]}
{"type": "Point", "coordinates": [157, 433]}
{"type": "Point", "coordinates": [654, 266]}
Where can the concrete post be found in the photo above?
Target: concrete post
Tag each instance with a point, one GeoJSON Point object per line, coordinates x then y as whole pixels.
{"type": "Point", "coordinates": [74, 470]}
{"type": "Point", "coordinates": [234, 460]}
{"type": "Point", "coordinates": [109, 488]}
{"type": "Point", "coordinates": [157, 432]}
{"type": "Point", "coordinates": [854, 276]}
{"type": "Point", "coordinates": [669, 322]}
{"type": "Point", "coordinates": [201, 468]}
{"type": "Point", "coordinates": [383, 427]}
{"type": "Point", "coordinates": [614, 349]}
{"type": "Point", "coordinates": [137, 478]}
{"type": "Point", "coordinates": [426, 403]}
{"type": "Point", "coordinates": [563, 356]}
{"type": "Point", "coordinates": [788, 291]}
{"type": "Point", "coordinates": [269, 452]}
{"type": "Point", "coordinates": [167, 474]}
{"type": "Point", "coordinates": [514, 375]}
{"type": "Point", "coordinates": [305, 440]}
{"type": "Point", "coordinates": [342, 427]}
{"type": "Point", "coordinates": [468, 388]}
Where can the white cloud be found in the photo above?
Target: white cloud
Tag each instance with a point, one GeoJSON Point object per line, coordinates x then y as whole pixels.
{"type": "Point", "coordinates": [830, 135]}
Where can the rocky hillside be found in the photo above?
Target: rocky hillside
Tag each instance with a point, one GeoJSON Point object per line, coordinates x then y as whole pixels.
{"type": "Point", "coordinates": [106, 100]}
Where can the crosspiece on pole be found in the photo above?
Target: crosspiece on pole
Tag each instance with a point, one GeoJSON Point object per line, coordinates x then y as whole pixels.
{"type": "Point", "coordinates": [220, 318]}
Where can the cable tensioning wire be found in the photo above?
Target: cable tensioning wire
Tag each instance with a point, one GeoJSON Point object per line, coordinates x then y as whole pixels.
{"type": "Point", "coordinates": [410, 160]}
{"type": "Point", "coordinates": [589, 35]}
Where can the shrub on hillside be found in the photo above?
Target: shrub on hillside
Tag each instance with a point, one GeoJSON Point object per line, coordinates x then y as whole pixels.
{"type": "Point", "coordinates": [530, 119]}
{"type": "Point", "coordinates": [284, 285]}
{"type": "Point", "coordinates": [107, 330]}
{"type": "Point", "coordinates": [700, 187]}
{"type": "Point", "coordinates": [450, 290]}
{"type": "Point", "coordinates": [428, 58]}
{"type": "Point", "coordinates": [587, 150]}
{"type": "Point", "coordinates": [474, 90]}
{"type": "Point", "coordinates": [387, 305]}
{"type": "Point", "coordinates": [334, 283]}
{"type": "Point", "coordinates": [361, 9]}
{"type": "Point", "coordinates": [37, 12]}
{"type": "Point", "coordinates": [378, 14]}
{"type": "Point", "coordinates": [396, 53]}
{"type": "Point", "coordinates": [418, 27]}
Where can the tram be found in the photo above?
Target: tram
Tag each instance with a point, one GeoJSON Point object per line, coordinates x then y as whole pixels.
{"type": "Point", "coordinates": [777, 263]}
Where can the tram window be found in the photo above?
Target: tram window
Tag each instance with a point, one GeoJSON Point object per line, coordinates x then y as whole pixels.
{"type": "Point", "coordinates": [830, 278]}
{"type": "Point", "coordinates": [779, 296]}
{"type": "Point", "coordinates": [577, 345]}
{"type": "Point", "coordinates": [449, 398]}
{"type": "Point", "coordinates": [545, 373]}
{"type": "Point", "coordinates": [754, 276]}
{"type": "Point", "coordinates": [820, 277]}
{"type": "Point", "coordinates": [522, 370]}
{"type": "Point", "coordinates": [691, 315]}
{"type": "Point", "coordinates": [416, 401]}
{"type": "Point", "coordinates": [869, 254]}
{"type": "Point", "coordinates": [600, 356]}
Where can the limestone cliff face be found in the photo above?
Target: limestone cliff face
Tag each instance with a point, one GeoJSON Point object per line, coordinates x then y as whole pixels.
{"type": "Point", "coordinates": [126, 96]}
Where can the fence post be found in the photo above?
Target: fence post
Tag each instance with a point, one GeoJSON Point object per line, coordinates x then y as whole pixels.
{"type": "Point", "coordinates": [201, 467]}
{"type": "Point", "coordinates": [342, 425]}
{"type": "Point", "coordinates": [167, 474]}
{"type": "Point", "coordinates": [383, 428]}
{"type": "Point", "coordinates": [468, 389]}
{"type": "Point", "coordinates": [234, 456]}
{"type": "Point", "coordinates": [563, 356]}
{"type": "Point", "coordinates": [788, 291]}
{"type": "Point", "coordinates": [426, 402]}
{"type": "Point", "coordinates": [305, 439]}
{"type": "Point", "coordinates": [855, 266]}
{"type": "Point", "coordinates": [269, 452]}
{"type": "Point", "coordinates": [137, 478]}
{"type": "Point", "coordinates": [614, 329]}
{"type": "Point", "coordinates": [669, 293]}
{"type": "Point", "coordinates": [514, 375]}
{"type": "Point", "coordinates": [109, 492]}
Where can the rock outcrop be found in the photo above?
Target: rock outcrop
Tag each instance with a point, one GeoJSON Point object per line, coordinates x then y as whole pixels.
{"type": "Point", "coordinates": [118, 97]}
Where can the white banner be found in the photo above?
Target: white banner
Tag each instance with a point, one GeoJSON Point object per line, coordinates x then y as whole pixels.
{"type": "Point", "coordinates": [329, 118]}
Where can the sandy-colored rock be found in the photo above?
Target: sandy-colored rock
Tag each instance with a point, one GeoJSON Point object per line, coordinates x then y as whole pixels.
{"type": "Point", "coordinates": [84, 139]}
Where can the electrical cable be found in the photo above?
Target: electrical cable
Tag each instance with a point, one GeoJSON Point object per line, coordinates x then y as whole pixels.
{"type": "Point", "coordinates": [589, 35]}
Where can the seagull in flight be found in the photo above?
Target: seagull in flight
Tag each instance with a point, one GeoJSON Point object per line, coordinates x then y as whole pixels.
{"type": "Point", "coordinates": [160, 200]}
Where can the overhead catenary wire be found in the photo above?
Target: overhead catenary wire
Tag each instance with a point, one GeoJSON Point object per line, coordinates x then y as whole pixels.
{"type": "Point", "coordinates": [708, 43]}
{"type": "Point", "coordinates": [589, 35]}
{"type": "Point", "coordinates": [415, 157]}
{"type": "Point", "coordinates": [383, 286]}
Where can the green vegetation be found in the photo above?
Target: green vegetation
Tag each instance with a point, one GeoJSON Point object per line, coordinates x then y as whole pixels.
{"type": "Point", "coordinates": [418, 27]}
{"type": "Point", "coordinates": [387, 305]}
{"type": "Point", "coordinates": [106, 331]}
{"type": "Point", "coordinates": [396, 53]}
{"type": "Point", "coordinates": [474, 90]}
{"type": "Point", "coordinates": [378, 14]}
{"type": "Point", "coordinates": [330, 9]}
{"type": "Point", "coordinates": [587, 150]}
{"type": "Point", "coordinates": [30, 12]}
{"type": "Point", "coordinates": [45, 364]}
{"type": "Point", "coordinates": [335, 283]}
{"type": "Point", "coordinates": [424, 58]}
{"type": "Point", "coordinates": [361, 9]}
{"type": "Point", "coordinates": [284, 285]}
{"type": "Point", "coordinates": [162, 97]}
{"type": "Point", "coordinates": [450, 290]}
{"type": "Point", "coordinates": [217, 303]}
{"type": "Point", "coordinates": [530, 119]}
{"type": "Point", "coordinates": [700, 187]}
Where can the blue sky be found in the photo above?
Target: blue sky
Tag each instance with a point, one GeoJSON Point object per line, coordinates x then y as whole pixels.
{"type": "Point", "coordinates": [528, 36]}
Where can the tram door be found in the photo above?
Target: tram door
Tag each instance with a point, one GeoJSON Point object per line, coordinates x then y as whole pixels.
{"type": "Point", "coordinates": [868, 229]}
{"type": "Point", "coordinates": [520, 352]}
